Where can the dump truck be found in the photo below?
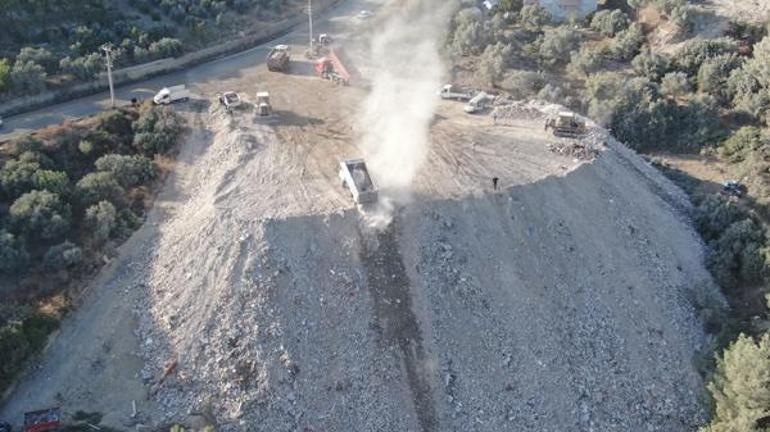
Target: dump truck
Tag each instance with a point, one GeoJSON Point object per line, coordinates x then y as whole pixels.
{"type": "Point", "coordinates": [263, 104]}
{"type": "Point", "coordinates": [450, 91]}
{"type": "Point", "coordinates": [566, 124]}
{"type": "Point", "coordinates": [336, 67]}
{"type": "Point", "coordinates": [355, 177]}
{"type": "Point", "coordinates": [278, 58]}
{"type": "Point", "coordinates": [42, 420]}
{"type": "Point", "coordinates": [171, 94]}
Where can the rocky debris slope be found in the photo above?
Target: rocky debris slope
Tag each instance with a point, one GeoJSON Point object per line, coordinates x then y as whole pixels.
{"type": "Point", "coordinates": [550, 306]}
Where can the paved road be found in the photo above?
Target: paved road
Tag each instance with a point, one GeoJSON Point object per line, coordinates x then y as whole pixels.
{"type": "Point", "coordinates": [337, 21]}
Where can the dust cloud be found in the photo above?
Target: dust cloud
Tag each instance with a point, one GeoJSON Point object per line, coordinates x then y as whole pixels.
{"type": "Point", "coordinates": [406, 72]}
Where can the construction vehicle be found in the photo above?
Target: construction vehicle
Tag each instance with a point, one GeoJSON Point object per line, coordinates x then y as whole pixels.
{"type": "Point", "coordinates": [230, 100]}
{"type": "Point", "coordinates": [733, 188]}
{"type": "Point", "coordinates": [355, 177]}
{"type": "Point", "coordinates": [42, 420]}
{"type": "Point", "coordinates": [278, 58]}
{"type": "Point", "coordinates": [171, 94]}
{"type": "Point", "coordinates": [566, 124]}
{"type": "Point", "coordinates": [450, 91]}
{"type": "Point", "coordinates": [336, 67]}
{"type": "Point", "coordinates": [263, 104]}
{"type": "Point", "coordinates": [478, 103]}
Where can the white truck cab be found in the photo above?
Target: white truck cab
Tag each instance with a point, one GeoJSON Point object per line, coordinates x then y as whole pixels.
{"type": "Point", "coordinates": [171, 94]}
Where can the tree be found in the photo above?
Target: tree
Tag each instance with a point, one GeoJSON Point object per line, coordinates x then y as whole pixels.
{"type": "Point", "coordinates": [510, 5]}
{"type": "Point", "coordinates": [84, 68]}
{"type": "Point", "coordinates": [53, 181]}
{"type": "Point", "coordinates": [469, 36]}
{"type": "Point", "coordinates": [41, 214]}
{"type": "Point", "coordinates": [40, 56]}
{"type": "Point", "coordinates": [100, 186]}
{"type": "Point", "coordinates": [691, 56]}
{"type": "Point", "coordinates": [627, 43]}
{"type": "Point", "coordinates": [62, 256]}
{"type": "Point", "coordinates": [557, 45]}
{"type": "Point", "coordinates": [17, 177]}
{"type": "Point", "coordinates": [585, 61]}
{"type": "Point", "coordinates": [13, 256]}
{"type": "Point", "coordinates": [675, 84]}
{"type": "Point", "coordinates": [5, 76]}
{"type": "Point", "coordinates": [741, 385]}
{"type": "Point", "coordinates": [129, 171]}
{"type": "Point", "coordinates": [102, 217]}
{"type": "Point", "coordinates": [714, 73]}
{"type": "Point", "coordinates": [492, 63]}
{"type": "Point", "coordinates": [609, 22]}
{"type": "Point", "coordinates": [166, 47]}
{"type": "Point", "coordinates": [27, 77]}
{"type": "Point", "coordinates": [157, 129]}
{"type": "Point", "coordinates": [533, 18]}
{"type": "Point", "coordinates": [738, 255]}
{"type": "Point", "coordinates": [650, 65]}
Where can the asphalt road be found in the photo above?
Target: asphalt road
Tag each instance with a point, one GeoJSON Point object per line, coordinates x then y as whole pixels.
{"type": "Point", "coordinates": [338, 21]}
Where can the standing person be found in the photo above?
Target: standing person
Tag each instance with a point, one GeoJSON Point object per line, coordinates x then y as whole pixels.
{"type": "Point", "coordinates": [494, 182]}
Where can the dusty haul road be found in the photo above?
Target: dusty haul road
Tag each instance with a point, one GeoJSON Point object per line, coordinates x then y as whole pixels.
{"type": "Point", "coordinates": [562, 301]}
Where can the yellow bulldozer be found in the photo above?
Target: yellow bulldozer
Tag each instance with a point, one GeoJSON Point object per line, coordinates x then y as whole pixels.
{"type": "Point", "coordinates": [566, 124]}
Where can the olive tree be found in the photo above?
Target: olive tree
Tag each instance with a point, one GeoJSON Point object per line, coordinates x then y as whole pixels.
{"type": "Point", "coordinates": [41, 214]}
{"type": "Point", "coordinates": [129, 171]}
{"type": "Point", "coordinates": [102, 217]}
{"type": "Point", "coordinates": [557, 45]}
{"type": "Point", "coordinates": [493, 63]}
{"type": "Point", "coordinates": [609, 22]}
{"type": "Point", "coordinates": [62, 256]}
{"type": "Point", "coordinates": [13, 255]}
{"type": "Point", "coordinates": [99, 186]}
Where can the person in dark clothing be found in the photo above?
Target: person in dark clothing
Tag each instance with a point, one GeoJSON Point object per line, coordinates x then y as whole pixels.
{"type": "Point", "coordinates": [494, 182]}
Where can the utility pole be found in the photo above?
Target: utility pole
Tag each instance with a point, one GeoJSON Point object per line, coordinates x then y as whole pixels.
{"type": "Point", "coordinates": [107, 48]}
{"type": "Point", "coordinates": [310, 20]}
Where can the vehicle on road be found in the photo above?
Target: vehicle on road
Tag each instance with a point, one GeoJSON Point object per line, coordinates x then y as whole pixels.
{"type": "Point", "coordinates": [733, 188]}
{"type": "Point", "coordinates": [230, 100]}
{"type": "Point", "coordinates": [278, 58]}
{"type": "Point", "coordinates": [566, 124]}
{"type": "Point", "coordinates": [478, 103]}
{"type": "Point", "coordinates": [451, 92]}
{"type": "Point", "coordinates": [263, 104]}
{"type": "Point", "coordinates": [42, 420]}
{"type": "Point", "coordinates": [172, 94]}
{"type": "Point", "coordinates": [336, 67]}
{"type": "Point", "coordinates": [355, 177]}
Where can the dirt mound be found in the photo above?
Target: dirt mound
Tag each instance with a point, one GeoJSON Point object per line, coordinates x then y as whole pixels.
{"type": "Point", "coordinates": [558, 303]}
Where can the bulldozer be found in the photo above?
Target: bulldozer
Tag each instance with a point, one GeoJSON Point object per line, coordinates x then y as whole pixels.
{"type": "Point", "coordinates": [566, 125]}
{"type": "Point", "coordinates": [263, 104]}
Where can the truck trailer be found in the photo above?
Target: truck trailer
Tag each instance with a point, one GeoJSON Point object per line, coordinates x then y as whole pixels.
{"type": "Point", "coordinates": [171, 94]}
{"type": "Point", "coordinates": [336, 67]}
{"type": "Point", "coordinates": [355, 177]}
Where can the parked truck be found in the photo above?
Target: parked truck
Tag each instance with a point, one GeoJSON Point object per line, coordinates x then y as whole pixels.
{"type": "Point", "coordinates": [450, 91]}
{"type": "Point", "coordinates": [336, 67]}
{"type": "Point", "coordinates": [478, 103]}
{"type": "Point", "coordinates": [278, 58]}
{"type": "Point", "coordinates": [355, 177]}
{"type": "Point", "coordinates": [171, 94]}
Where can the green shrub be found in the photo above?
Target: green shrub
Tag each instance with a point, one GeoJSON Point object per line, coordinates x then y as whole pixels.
{"type": "Point", "coordinates": [18, 178]}
{"type": "Point", "coordinates": [739, 254]}
{"type": "Point", "coordinates": [493, 63]}
{"type": "Point", "coordinates": [557, 45]}
{"type": "Point", "coordinates": [21, 340]}
{"type": "Point", "coordinates": [13, 255]}
{"type": "Point", "coordinates": [5, 75]}
{"type": "Point", "coordinates": [469, 35]}
{"type": "Point", "coordinates": [53, 181]}
{"type": "Point", "coordinates": [743, 141]}
{"type": "Point", "coordinates": [714, 73]}
{"type": "Point", "coordinates": [102, 219]}
{"type": "Point", "coordinates": [100, 186]}
{"type": "Point", "coordinates": [585, 61]}
{"type": "Point", "coordinates": [533, 18]}
{"type": "Point", "coordinates": [129, 171]}
{"type": "Point", "coordinates": [675, 84]}
{"type": "Point", "coordinates": [523, 84]}
{"type": "Point", "coordinates": [166, 47]}
{"type": "Point", "coordinates": [609, 22]}
{"type": "Point", "coordinates": [62, 256]}
{"type": "Point", "coordinates": [40, 56]}
{"type": "Point", "coordinates": [714, 214]}
{"type": "Point", "coordinates": [27, 77]}
{"type": "Point", "coordinates": [740, 386]}
{"type": "Point", "coordinates": [157, 129]}
{"type": "Point", "coordinates": [626, 44]}
{"type": "Point", "coordinates": [41, 215]}
{"type": "Point", "coordinates": [84, 68]}
{"type": "Point", "coordinates": [650, 65]}
{"type": "Point", "coordinates": [691, 56]}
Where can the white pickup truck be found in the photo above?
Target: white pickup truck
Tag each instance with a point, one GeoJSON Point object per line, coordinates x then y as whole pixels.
{"type": "Point", "coordinates": [450, 91]}
{"type": "Point", "coordinates": [171, 94]}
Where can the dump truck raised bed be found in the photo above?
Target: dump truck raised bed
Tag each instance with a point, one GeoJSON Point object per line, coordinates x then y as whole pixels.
{"type": "Point", "coordinates": [42, 420]}
{"type": "Point", "coordinates": [171, 94]}
{"type": "Point", "coordinates": [278, 58]}
{"type": "Point", "coordinates": [355, 177]}
{"type": "Point", "coordinates": [336, 67]}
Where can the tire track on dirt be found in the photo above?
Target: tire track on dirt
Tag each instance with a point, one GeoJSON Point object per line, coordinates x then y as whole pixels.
{"type": "Point", "coordinates": [389, 286]}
